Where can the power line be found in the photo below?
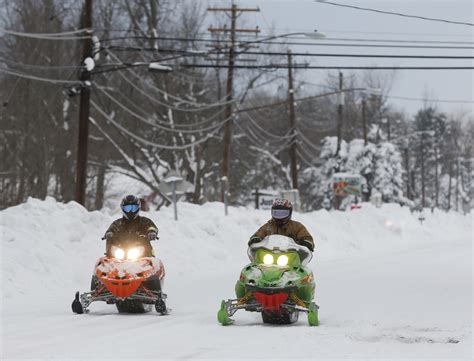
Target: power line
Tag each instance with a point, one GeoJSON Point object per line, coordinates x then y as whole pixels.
{"type": "Point", "coordinates": [431, 100]}
{"type": "Point", "coordinates": [266, 132]}
{"type": "Point", "coordinates": [285, 66]}
{"type": "Point", "coordinates": [167, 123]}
{"type": "Point", "coordinates": [196, 109]}
{"type": "Point", "coordinates": [308, 142]}
{"type": "Point", "coordinates": [306, 43]}
{"type": "Point", "coordinates": [359, 55]}
{"type": "Point", "coordinates": [296, 36]}
{"type": "Point", "coordinates": [394, 13]}
{"type": "Point", "coordinates": [401, 41]}
{"type": "Point", "coordinates": [36, 66]}
{"type": "Point", "coordinates": [33, 77]}
{"type": "Point", "coordinates": [50, 36]}
{"type": "Point", "coordinates": [345, 31]}
{"type": "Point", "coordinates": [147, 142]}
{"type": "Point", "coordinates": [241, 110]}
{"type": "Point", "coordinates": [72, 32]}
{"type": "Point", "coordinates": [248, 52]}
{"type": "Point", "coordinates": [157, 125]}
{"type": "Point", "coordinates": [299, 37]}
{"type": "Point", "coordinates": [402, 97]}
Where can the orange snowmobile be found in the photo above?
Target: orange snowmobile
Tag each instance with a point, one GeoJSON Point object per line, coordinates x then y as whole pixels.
{"type": "Point", "coordinates": [128, 276]}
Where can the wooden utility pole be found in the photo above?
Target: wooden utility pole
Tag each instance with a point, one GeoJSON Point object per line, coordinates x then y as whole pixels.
{"type": "Point", "coordinates": [407, 167]}
{"type": "Point", "coordinates": [339, 114]}
{"type": "Point", "coordinates": [364, 119]}
{"type": "Point", "coordinates": [449, 184]}
{"type": "Point", "coordinates": [234, 10]}
{"type": "Point", "coordinates": [436, 175]}
{"type": "Point", "coordinates": [84, 109]}
{"type": "Point", "coordinates": [457, 184]}
{"type": "Point", "coordinates": [291, 110]}
{"type": "Point", "coordinates": [422, 154]}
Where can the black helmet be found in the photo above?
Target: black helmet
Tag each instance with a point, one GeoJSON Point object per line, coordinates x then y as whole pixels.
{"type": "Point", "coordinates": [281, 211]}
{"type": "Point", "coordinates": [130, 207]}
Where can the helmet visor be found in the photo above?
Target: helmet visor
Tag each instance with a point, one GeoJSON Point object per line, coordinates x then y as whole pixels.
{"type": "Point", "coordinates": [130, 208]}
{"type": "Point", "coordinates": [280, 213]}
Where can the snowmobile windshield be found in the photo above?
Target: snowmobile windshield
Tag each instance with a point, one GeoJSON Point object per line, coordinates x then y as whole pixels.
{"type": "Point", "coordinates": [278, 245]}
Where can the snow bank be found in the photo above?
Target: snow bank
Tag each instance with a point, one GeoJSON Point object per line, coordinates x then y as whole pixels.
{"type": "Point", "coordinates": [388, 286]}
{"type": "Point", "coordinates": [46, 244]}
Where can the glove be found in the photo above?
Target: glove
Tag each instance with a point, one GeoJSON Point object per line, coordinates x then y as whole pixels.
{"type": "Point", "coordinates": [109, 235]}
{"type": "Point", "coordinates": [152, 236]}
{"type": "Point", "coordinates": [255, 239]}
{"type": "Point", "coordinates": [307, 244]}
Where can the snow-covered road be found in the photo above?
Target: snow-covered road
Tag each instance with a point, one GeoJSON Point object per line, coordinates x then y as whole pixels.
{"type": "Point", "coordinates": [414, 301]}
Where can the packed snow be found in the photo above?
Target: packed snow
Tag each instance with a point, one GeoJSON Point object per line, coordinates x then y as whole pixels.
{"type": "Point", "coordinates": [388, 286]}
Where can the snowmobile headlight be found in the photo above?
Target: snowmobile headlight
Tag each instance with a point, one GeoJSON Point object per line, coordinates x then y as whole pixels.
{"type": "Point", "coordinates": [282, 260]}
{"type": "Point", "coordinates": [135, 252]}
{"type": "Point", "coordinates": [118, 253]}
{"type": "Point", "coordinates": [268, 259]}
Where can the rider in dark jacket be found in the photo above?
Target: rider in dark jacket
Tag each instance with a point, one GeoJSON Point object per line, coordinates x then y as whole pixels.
{"type": "Point", "coordinates": [131, 225]}
{"type": "Point", "coordinates": [281, 223]}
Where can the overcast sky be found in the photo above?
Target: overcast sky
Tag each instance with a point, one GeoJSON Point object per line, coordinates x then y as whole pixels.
{"type": "Point", "coordinates": [305, 15]}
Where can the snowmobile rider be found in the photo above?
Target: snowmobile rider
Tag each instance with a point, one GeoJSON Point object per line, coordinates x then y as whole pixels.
{"type": "Point", "coordinates": [281, 223]}
{"type": "Point", "coordinates": [131, 224]}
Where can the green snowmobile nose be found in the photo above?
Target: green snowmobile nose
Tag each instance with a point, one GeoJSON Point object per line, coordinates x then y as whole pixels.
{"type": "Point", "coordinates": [271, 274]}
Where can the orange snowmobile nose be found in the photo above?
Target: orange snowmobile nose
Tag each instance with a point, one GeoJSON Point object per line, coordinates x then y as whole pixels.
{"type": "Point", "coordinates": [122, 288]}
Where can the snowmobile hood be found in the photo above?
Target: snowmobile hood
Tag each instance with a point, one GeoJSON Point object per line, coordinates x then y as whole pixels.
{"type": "Point", "coordinates": [276, 243]}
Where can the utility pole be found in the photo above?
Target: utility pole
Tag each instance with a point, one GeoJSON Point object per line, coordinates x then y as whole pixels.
{"type": "Point", "coordinates": [457, 184]}
{"type": "Point", "coordinates": [450, 185]}
{"type": "Point", "coordinates": [422, 154]}
{"type": "Point", "coordinates": [364, 119]}
{"type": "Point", "coordinates": [84, 109]}
{"type": "Point", "coordinates": [234, 10]}
{"type": "Point", "coordinates": [388, 129]}
{"type": "Point", "coordinates": [407, 167]}
{"type": "Point", "coordinates": [340, 100]}
{"type": "Point", "coordinates": [291, 109]}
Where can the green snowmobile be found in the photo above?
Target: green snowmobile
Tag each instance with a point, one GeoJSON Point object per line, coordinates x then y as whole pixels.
{"type": "Point", "coordinates": [276, 283]}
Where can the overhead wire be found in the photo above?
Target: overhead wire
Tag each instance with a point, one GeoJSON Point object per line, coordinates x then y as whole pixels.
{"type": "Point", "coordinates": [346, 31]}
{"type": "Point", "coordinates": [304, 159]}
{"type": "Point", "coordinates": [263, 130]}
{"type": "Point", "coordinates": [289, 43]}
{"type": "Point", "coordinates": [308, 54]}
{"type": "Point", "coordinates": [339, 55]}
{"type": "Point", "coordinates": [177, 125]}
{"type": "Point", "coordinates": [285, 66]}
{"type": "Point", "coordinates": [393, 13]}
{"type": "Point", "coordinates": [308, 142]}
{"type": "Point", "coordinates": [157, 125]}
{"type": "Point", "coordinates": [49, 36]}
{"type": "Point", "coordinates": [207, 106]}
{"type": "Point", "coordinates": [159, 102]}
{"type": "Point", "coordinates": [33, 77]}
{"type": "Point", "coordinates": [402, 97]}
{"type": "Point", "coordinates": [265, 139]}
{"type": "Point", "coordinates": [147, 142]}
{"type": "Point", "coordinates": [45, 67]}
{"type": "Point", "coordinates": [430, 100]}
{"type": "Point", "coordinates": [372, 40]}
